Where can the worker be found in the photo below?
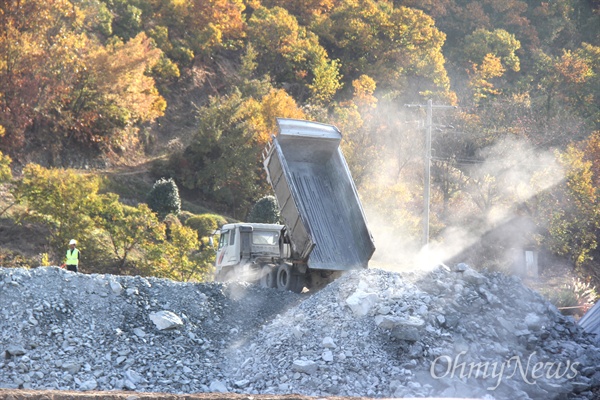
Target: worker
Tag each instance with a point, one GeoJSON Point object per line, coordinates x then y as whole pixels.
{"type": "Point", "coordinates": [72, 257]}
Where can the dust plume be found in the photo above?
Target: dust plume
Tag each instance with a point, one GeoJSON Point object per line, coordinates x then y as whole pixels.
{"type": "Point", "coordinates": [494, 188]}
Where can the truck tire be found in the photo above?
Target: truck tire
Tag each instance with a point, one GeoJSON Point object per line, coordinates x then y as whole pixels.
{"type": "Point", "coordinates": [268, 277]}
{"type": "Point", "coordinates": [287, 280]}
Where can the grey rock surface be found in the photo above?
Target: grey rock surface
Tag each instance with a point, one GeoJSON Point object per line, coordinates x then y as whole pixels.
{"type": "Point", "coordinates": [164, 320]}
{"type": "Point", "coordinates": [445, 333]}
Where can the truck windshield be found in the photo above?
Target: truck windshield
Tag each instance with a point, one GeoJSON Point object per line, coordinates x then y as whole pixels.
{"type": "Point", "coordinates": [223, 239]}
{"type": "Point", "coordinates": [265, 237]}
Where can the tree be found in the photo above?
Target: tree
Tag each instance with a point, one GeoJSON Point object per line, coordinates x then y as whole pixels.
{"type": "Point", "coordinates": [163, 198]}
{"type": "Point", "coordinates": [290, 53]}
{"type": "Point", "coordinates": [5, 170]}
{"type": "Point", "coordinates": [498, 43]}
{"type": "Point", "coordinates": [265, 210]}
{"type": "Point", "coordinates": [481, 75]}
{"type": "Point", "coordinates": [306, 11]}
{"type": "Point", "coordinates": [127, 21]}
{"type": "Point", "coordinates": [571, 213]}
{"type": "Point", "coordinates": [400, 47]}
{"type": "Point", "coordinates": [579, 77]}
{"type": "Point", "coordinates": [178, 258]}
{"type": "Point", "coordinates": [277, 103]}
{"type": "Point", "coordinates": [488, 55]}
{"type": "Point", "coordinates": [199, 26]}
{"type": "Point", "coordinates": [128, 228]}
{"type": "Point", "coordinates": [223, 160]}
{"type": "Point", "coordinates": [60, 199]}
{"type": "Point", "coordinates": [205, 224]}
{"type": "Point", "coordinates": [63, 87]}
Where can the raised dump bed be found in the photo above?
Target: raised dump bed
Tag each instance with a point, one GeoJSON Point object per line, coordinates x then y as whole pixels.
{"type": "Point", "coordinates": [317, 197]}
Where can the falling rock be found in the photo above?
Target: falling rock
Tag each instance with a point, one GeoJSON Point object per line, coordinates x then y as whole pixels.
{"type": "Point", "coordinates": [242, 383]}
{"type": "Point", "coordinates": [441, 320]}
{"type": "Point", "coordinates": [218, 386]}
{"type": "Point", "coordinates": [361, 302]}
{"type": "Point", "coordinates": [71, 367]}
{"type": "Point", "coordinates": [166, 320]}
{"type": "Point", "coordinates": [579, 387]}
{"type": "Point", "coordinates": [305, 366]}
{"type": "Point", "coordinates": [297, 332]}
{"type": "Point", "coordinates": [460, 267]}
{"type": "Point", "coordinates": [390, 322]}
{"type": "Point", "coordinates": [328, 343]}
{"type": "Point", "coordinates": [127, 384]}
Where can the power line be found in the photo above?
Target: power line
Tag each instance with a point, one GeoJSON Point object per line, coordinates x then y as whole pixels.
{"type": "Point", "coordinates": [427, 173]}
{"type": "Point", "coordinates": [490, 161]}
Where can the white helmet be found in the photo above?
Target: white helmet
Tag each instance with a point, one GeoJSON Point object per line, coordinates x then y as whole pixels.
{"type": "Point", "coordinates": [73, 241]}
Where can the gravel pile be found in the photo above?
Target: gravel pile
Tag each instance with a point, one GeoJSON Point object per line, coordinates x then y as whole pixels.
{"type": "Point", "coordinates": [67, 331]}
{"type": "Point", "coordinates": [448, 333]}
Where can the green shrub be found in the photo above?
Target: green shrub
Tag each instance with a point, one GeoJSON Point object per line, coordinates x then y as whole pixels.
{"type": "Point", "coordinates": [185, 215]}
{"type": "Point", "coordinates": [205, 224]}
{"type": "Point", "coordinates": [164, 198]}
{"type": "Point", "coordinates": [573, 298]}
{"type": "Point", "coordinates": [265, 211]}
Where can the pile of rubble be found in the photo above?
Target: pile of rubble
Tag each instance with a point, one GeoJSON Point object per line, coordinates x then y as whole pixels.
{"type": "Point", "coordinates": [446, 333]}
{"type": "Point", "coordinates": [443, 334]}
{"type": "Point", "coordinates": [67, 331]}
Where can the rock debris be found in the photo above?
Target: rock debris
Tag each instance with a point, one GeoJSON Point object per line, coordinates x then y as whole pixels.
{"type": "Point", "coordinates": [371, 333]}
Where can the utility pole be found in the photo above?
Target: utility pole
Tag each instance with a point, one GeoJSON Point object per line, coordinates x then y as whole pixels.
{"type": "Point", "coordinates": [427, 170]}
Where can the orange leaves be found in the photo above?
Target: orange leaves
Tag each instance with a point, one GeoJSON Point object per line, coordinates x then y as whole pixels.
{"type": "Point", "coordinates": [120, 72]}
{"type": "Point", "coordinates": [216, 22]}
{"type": "Point", "coordinates": [480, 84]}
{"type": "Point", "coordinates": [573, 68]}
{"type": "Point", "coordinates": [277, 103]}
{"type": "Point", "coordinates": [60, 84]}
{"type": "Point", "coordinates": [261, 115]}
{"type": "Point", "coordinates": [364, 87]}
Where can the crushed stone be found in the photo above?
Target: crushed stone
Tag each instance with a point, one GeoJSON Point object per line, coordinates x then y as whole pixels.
{"type": "Point", "coordinates": [371, 333]}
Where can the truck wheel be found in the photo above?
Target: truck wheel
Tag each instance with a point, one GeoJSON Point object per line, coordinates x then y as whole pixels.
{"type": "Point", "coordinates": [300, 283]}
{"type": "Point", "coordinates": [268, 277]}
{"type": "Point", "coordinates": [286, 280]}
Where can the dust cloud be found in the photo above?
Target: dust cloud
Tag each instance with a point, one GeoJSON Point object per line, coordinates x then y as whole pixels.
{"type": "Point", "coordinates": [493, 187]}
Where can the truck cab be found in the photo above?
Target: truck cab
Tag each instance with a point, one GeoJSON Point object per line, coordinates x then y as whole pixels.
{"type": "Point", "coordinates": [245, 248]}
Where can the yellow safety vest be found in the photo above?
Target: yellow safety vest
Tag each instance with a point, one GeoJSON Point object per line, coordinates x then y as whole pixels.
{"type": "Point", "coordinates": [72, 257]}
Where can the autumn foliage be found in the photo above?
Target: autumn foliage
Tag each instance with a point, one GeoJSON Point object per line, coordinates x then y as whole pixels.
{"type": "Point", "coordinates": [103, 79]}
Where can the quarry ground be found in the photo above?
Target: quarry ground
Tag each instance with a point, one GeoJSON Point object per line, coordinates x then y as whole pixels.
{"type": "Point", "coordinates": [74, 395]}
{"type": "Point", "coordinates": [369, 334]}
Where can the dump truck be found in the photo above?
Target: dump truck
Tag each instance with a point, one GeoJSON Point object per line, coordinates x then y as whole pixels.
{"type": "Point", "coordinates": [324, 230]}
